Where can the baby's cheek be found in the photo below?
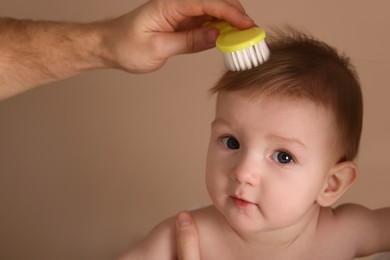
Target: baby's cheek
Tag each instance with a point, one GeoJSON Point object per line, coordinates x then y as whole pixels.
{"type": "Point", "coordinates": [213, 184]}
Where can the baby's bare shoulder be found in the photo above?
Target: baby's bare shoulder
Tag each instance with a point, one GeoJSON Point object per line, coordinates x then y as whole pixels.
{"type": "Point", "coordinates": [346, 215]}
{"type": "Point", "coordinates": [160, 242]}
{"type": "Point", "coordinates": [361, 230]}
{"type": "Point", "coordinates": [209, 221]}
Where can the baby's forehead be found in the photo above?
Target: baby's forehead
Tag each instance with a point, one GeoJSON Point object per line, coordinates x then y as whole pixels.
{"type": "Point", "coordinates": [253, 95]}
{"type": "Point", "coordinates": [240, 99]}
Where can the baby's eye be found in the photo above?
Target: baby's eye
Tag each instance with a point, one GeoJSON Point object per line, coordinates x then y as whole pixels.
{"type": "Point", "coordinates": [282, 157]}
{"type": "Point", "coordinates": [230, 142]}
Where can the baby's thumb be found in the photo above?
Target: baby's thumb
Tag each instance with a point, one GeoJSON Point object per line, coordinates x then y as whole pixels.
{"type": "Point", "coordinates": [195, 40]}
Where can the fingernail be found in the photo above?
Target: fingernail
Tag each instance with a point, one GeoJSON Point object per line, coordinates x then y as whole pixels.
{"type": "Point", "coordinates": [211, 35]}
{"type": "Point", "coordinates": [184, 219]}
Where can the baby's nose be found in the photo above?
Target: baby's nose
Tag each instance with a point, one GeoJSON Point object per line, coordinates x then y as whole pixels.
{"type": "Point", "coordinates": [247, 171]}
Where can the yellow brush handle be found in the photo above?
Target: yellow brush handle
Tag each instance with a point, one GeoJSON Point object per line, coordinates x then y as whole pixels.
{"type": "Point", "coordinates": [232, 39]}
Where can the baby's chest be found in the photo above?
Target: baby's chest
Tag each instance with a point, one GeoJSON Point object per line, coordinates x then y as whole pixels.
{"type": "Point", "coordinates": [311, 250]}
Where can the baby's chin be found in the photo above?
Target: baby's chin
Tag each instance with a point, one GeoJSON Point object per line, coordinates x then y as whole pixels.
{"type": "Point", "coordinates": [244, 224]}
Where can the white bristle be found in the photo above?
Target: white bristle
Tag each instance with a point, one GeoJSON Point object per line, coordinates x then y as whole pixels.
{"type": "Point", "coordinates": [247, 58]}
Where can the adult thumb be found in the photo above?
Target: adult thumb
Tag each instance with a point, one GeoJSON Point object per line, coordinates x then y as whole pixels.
{"type": "Point", "coordinates": [187, 239]}
{"type": "Point", "coordinates": [191, 41]}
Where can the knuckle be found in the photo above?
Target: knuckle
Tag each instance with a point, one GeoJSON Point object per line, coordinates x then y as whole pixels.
{"type": "Point", "coordinates": [190, 41]}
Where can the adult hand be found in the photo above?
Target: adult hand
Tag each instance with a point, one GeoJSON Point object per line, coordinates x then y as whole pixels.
{"type": "Point", "coordinates": [141, 41]}
{"type": "Point", "coordinates": [187, 239]}
{"type": "Point", "coordinates": [36, 52]}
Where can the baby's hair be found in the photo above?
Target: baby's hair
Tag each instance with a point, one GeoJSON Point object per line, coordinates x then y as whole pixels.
{"type": "Point", "coordinates": [303, 67]}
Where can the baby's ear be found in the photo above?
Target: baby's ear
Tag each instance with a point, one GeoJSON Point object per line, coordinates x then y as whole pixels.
{"type": "Point", "coordinates": [338, 181]}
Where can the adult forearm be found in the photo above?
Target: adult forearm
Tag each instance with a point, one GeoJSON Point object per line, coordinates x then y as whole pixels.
{"type": "Point", "coordinates": [36, 52]}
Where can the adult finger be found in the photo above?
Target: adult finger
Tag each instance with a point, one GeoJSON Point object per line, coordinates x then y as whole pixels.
{"type": "Point", "coordinates": [187, 239]}
{"type": "Point", "coordinates": [237, 4]}
{"type": "Point", "coordinates": [230, 11]}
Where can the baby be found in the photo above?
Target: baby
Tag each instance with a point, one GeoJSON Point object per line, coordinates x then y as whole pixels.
{"type": "Point", "coordinates": [281, 153]}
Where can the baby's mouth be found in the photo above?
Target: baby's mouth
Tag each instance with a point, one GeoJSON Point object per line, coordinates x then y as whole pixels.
{"type": "Point", "coordinates": [242, 202]}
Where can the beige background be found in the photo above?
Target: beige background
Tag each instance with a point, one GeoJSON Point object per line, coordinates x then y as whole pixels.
{"type": "Point", "coordinates": [88, 165]}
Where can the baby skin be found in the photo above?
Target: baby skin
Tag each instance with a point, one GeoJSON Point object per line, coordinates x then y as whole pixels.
{"type": "Point", "coordinates": [273, 173]}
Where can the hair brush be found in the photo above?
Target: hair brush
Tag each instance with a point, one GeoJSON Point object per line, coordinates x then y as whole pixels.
{"type": "Point", "coordinates": [242, 49]}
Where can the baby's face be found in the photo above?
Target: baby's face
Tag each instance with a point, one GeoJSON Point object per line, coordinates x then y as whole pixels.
{"type": "Point", "coordinates": [268, 160]}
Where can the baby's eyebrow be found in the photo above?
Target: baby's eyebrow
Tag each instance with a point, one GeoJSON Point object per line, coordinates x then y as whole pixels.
{"type": "Point", "coordinates": [219, 121]}
{"type": "Point", "coordinates": [288, 139]}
